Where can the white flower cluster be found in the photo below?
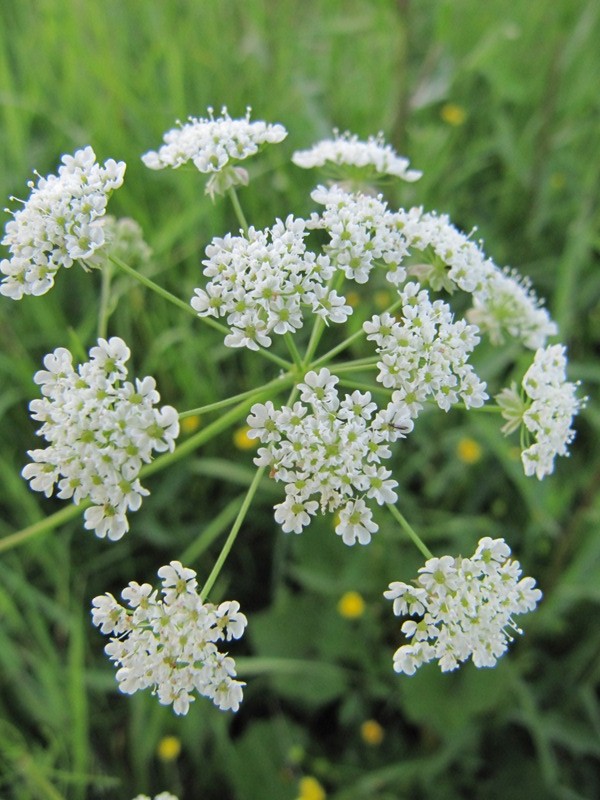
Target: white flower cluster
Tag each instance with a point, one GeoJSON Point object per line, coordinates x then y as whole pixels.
{"type": "Point", "coordinates": [467, 607]}
{"type": "Point", "coordinates": [363, 234]}
{"type": "Point", "coordinates": [547, 410]}
{"type": "Point", "coordinates": [214, 146]}
{"type": "Point", "coordinates": [425, 354]}
{"type": "Point", "coordinates": [503, 302]}
{"type": "Point", "coordinates": [330, 449]}
{"type": "Point", "coordinates": [100, 430]}
{"type": "Point", "coordinates": [260, 282]}
{"type": "Point", "coordinates": [168, 643]}
{"type": "Point", "coordinates": [346, 150]}
{"type": "Point", "coordinates": [62, 222]}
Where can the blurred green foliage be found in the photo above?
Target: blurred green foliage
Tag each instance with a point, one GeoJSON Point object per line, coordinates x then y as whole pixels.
{"type": "Point", "coordinates": [498, 104]}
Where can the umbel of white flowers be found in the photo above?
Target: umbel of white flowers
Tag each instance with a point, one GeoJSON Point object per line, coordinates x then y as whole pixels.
{"type": "Point", "coordinates": [168, 643]}
{"type": "Point", "coordinates": [215, 145]}
{"type": "Point", "coordinates": [100, 430]}
{"type": "Point", "coordinates": [546, 410]}
{"type": "Point", "coordinates": [62, 222]}
{"type": "Point", "coordinates": [466, 607]}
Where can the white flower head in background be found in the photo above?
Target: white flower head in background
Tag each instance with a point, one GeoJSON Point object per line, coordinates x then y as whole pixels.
{"type": "Point", "coordinates": [161, 796]}
{"type": "Point", "coordinates": [62, 222]}
{"type": "Point", "coordinates": [125, 241]}
{"type": "Point", "coordinates": [100, 430]}
{"type": "Point", "coordinates": [167, 643]}
{"type": "Point", "coordinates": [545, 409]}
{"type": "Point", "coordinates": [215, 145]}
{"type": "Point", "coordinates": [346, 157]}
{"type": "Point", "coordinates": [466, 607]}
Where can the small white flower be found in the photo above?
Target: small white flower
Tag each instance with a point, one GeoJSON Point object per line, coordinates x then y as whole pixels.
{"type": "Point", "coordinates": [356, 523]}
{"type": "Point", "coordinates": [293, 514]}
{"type": "Point", "coordinates": [363, 234]}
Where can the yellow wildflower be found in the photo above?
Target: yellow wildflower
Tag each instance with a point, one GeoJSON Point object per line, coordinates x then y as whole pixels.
{"type": "Point", "coordinates": [453, 114]}
{"type": "Point", "coordinates": [371, 732]}
{"type": "Point", "coordinates": [168, 748]}
{"type": "Point", "coordinates": [241, 439]}
{"type": "Point", "coordinates": [468, 450]}
{"type": "Point", "coordinates": [351, 605]}
{"type": "Point", "coordinates": [311, 789]}
{"type": "Point", "coordinates": [190, 424]}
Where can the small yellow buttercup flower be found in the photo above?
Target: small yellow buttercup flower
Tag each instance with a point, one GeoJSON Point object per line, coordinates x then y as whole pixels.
{"type": "Point", "coordinates": [241, 439]}
{"type": "Point", "coordinates": [371, 732]}
{"type": "Point", "coordinates": [311, 789]}
{"type": "Point", "coordinates": [168, 748]}
{"type": "Point", "coordinates": [468, 450]}
{"type": "Point", "coordinates": [190, 424]}
{"type": "Point", "coordinates": [453, 114]}
{"type": "Point", "coordinates": [351, 605]}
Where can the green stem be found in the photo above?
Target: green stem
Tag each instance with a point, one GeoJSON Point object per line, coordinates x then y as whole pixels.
{"type": "Point", "coordinates": [275, 385]}
{"type": "Point", "coordinates": [313, 343]}
{"type": "Point", "coordinates": [150, 284]}
{"type": "Point", "coordinates": [338, 348]}
{"type": "Point", "coordinates": [413, 535]}
{"type": "Point", "coordinates": [291, 345]}
{"type": "Point", "coordinates": [104, 301]}
{"type": "Point", "coordinates": [490, 409]}
{"type": "Point", "coordinates": [238, 209]}
{"type": "Point", "coordinates": [232, 533]}
{"type": "Point", "coordinates": [42, 526]}
{"type": "Point", "coordinates": [365, 387]}
{"type": "Point", "coordinates": [208, 534]}
{"type": "Point", "coordinates": [351, 339]}
{"type": "Point", "coordinates": [356, 365]}
{"type": "Point", "coordinates": [208, 433]}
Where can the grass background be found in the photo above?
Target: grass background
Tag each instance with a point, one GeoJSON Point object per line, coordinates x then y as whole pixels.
{"type": "Point", "coordinates": [523, 166]}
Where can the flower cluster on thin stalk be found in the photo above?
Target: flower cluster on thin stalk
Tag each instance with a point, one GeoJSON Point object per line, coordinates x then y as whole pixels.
{"type": "Point", "coordinates": [261, 283]}
{"type": "Point", "coordinates": [545, 410]}
{"type": "Point", "coordinates": [214, 145]}
{"type": "Point", "coordinates": [100, 429]}
{"type": "Point", "coordinates": [62, 222]}
{"type": "Point", "coordinates": [167, 642]}
{"type": "Point", "coordinates": [425, 353]}
{"type": "Point", "coordinates": [364, 233]}
{"type": "Point", "coordinates": [367, 160]}
{"type": "Point", "coordinates": [330, 449]}
{"type": "Point", "coordinates": [466, 608]}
